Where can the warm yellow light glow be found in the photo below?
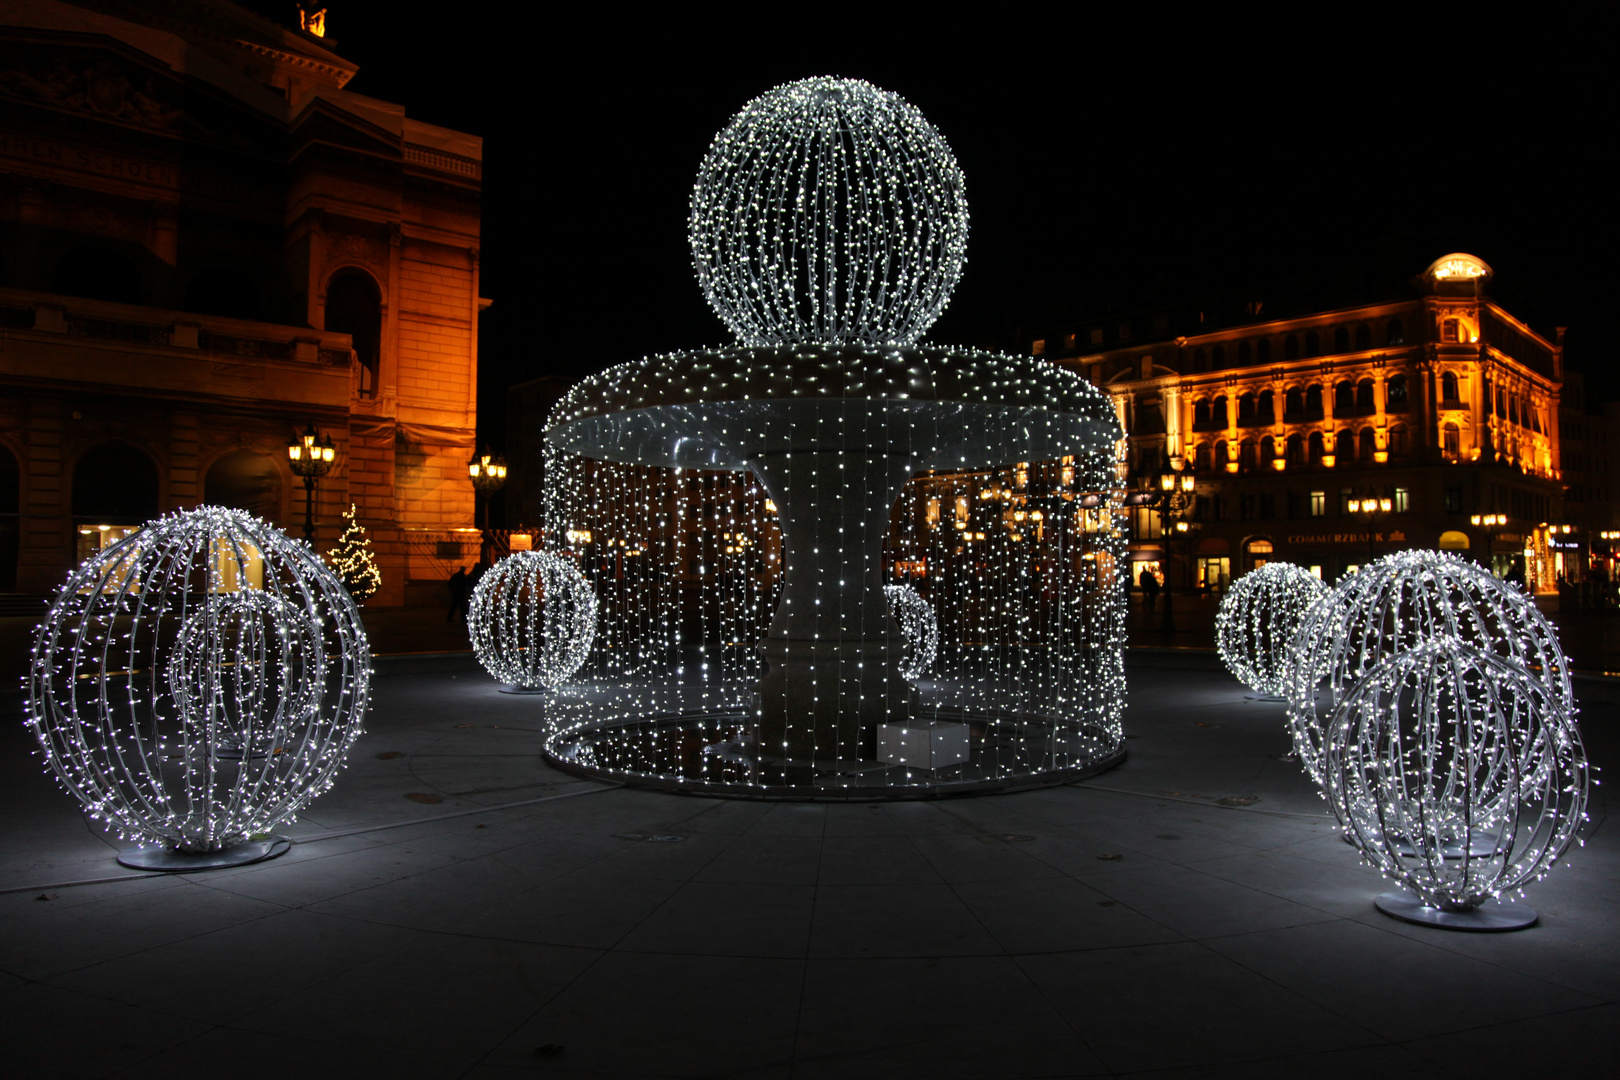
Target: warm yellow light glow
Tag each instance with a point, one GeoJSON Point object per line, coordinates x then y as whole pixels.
{"type": "Point", "coordinates": [1232, 466]}
{"type": "Point", "coordinates": [1380, 456]}
{"type": "Point", "coordinates": [312, 22]}
{"type": "Point", "coordinates": [1279, 464]}
{"type": "Point", "coordinates": [1328, 460]}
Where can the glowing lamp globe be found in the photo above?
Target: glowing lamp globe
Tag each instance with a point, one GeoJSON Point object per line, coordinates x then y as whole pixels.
{"type": "Point", "coordinates": [1461, 776]}
{"type": "Point", "coordinates": [1257, 620]}
{"type": "Point", "coordinates": [1395, 604]}
{"type": "Point", "coordinates": [918, 625]}
{"type": "Point", "coordinates": [197, 684]}
{"type": "Point", "coordinates": [828, 210]}
{"type": "Point", "coordinates": [533, 619]}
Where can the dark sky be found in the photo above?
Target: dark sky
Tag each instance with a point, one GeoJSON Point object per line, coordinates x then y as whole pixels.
{"type": "Point", "coordinates": [1109, 160]}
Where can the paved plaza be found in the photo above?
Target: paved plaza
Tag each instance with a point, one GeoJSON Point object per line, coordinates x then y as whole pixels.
{"type": "Point", "coordinates": [456, 908]}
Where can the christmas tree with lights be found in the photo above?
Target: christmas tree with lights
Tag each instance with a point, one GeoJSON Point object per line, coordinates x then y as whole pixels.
{"type": "Point", "coordinates": [353, 562]}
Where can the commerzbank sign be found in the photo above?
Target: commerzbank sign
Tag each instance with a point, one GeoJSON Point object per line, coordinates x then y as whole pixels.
{"type": "Point", "coordinates": [1324, 539]}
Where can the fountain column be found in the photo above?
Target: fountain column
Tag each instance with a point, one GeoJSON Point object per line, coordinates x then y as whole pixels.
{"type": "Point", "coordinates": [833, 646]}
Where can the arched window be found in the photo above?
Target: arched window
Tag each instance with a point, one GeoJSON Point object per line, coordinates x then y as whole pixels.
{"type": "Point", "coordinates": [1448, 386]}
{"type": "Point", "coordinates": [1313, 402]}
{"type": "Point", "coordinates": [1364, 395]}
{"type": "Point", "coordinates": [1294, 402]}
{"type": "Point", "coordinates": [1217, 357]}
{"type": "Point", "coordinates": [115, 484]}
{"type": "Point", "coordinates": [1397, 442]}
{"type": "Point", "coordinates": [1363, 336]}
{"type": "Point", "coordinates": [1394, 333]}
{"type": "Point", "coordinates": [1485, 393]}
{"type": "Point", "coordinates": [1316, 448]}
{"type": "Point", "coordinates": [98, 273]}
{"type": "Point", "coordinates": [1535, 418]}
{"type": "Point", "coordinates": [1263, 351]}
{"type": "Point", "coordinates": [1369, 443]}
{"type": "Point", "coordinates": [1501, 403]}
{"type": "Point", "coordinates": [246, 481]}
{"type": "Point", "coordinates": [354, 307]}
{"type": "Point", "coordinates": [1344, 446]}
{"type": "Point", "coordinates": [1201, 414]}
{"type": "Point", "coordinates": [1341, 339]}
{"type": "Point", "coordinates": [1265, 410]}
{"type": "Point", "coordinates": [1245, 353]}
{"type": "Point", "coordinates": [1451, 330]}
{"type": "Point", "coordinates": [1222, 454]}
{"type": "Point", "coordinates": [1246, 409]}
{"type": "Point", "coordinates": [1513, 409]}
{"type": "Point", "coordinates": [1219, 412]}
{"type": "Point", "coordinates": [1395, 394]}
{"type": "Point", "coordinates": [1290, 347]}
{"type": "Point", "coordinates": [1313, 344]}
{"type": "Point", "coordinates": [1344, 398]}
{"type": "Point", "coordinates": [1296, 449]}
{"type": "Point", "coordinates": [1268, 449]}
{"type": "Point", "coordinates": [1451, 440]}
{"type": "Point", "coordinates": [1201, 457]}
{"type": "Point", "coordinates": [1200, 361]}
{"type": "Point", "coordinates": [1250, 456]}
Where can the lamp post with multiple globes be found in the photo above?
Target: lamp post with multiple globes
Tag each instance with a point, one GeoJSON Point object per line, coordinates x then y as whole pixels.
{"type": "Point", "coordinates": [1370, 508]}
{"type": "Point", "coordinates": [488, 473]}
{"type": "Point", "coordinates": [310, 456]}
{"type": "Point", "coordinates": [1491, 524]}
{"type": "Point", "coordinates": [1176, 501]}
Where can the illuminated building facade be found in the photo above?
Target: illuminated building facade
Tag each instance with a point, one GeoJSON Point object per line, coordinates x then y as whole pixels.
{"type": "Point", "coordinates": [1331, 438]}
{"type": "Point", "coordinates": [209, 246]}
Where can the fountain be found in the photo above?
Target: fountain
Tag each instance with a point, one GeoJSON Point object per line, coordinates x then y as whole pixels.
{"type": "Point", "coordinates": [828, 228]}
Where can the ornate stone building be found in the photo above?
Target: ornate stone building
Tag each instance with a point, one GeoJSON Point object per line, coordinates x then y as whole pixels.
{"type": "Point", "coordinates": [1334, 437]}
{"type": "Point", "coordinates": [209, 245]}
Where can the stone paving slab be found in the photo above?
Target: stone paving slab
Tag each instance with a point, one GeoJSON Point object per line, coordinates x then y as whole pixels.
{"type": "Point", "coordinates": [436, 920]}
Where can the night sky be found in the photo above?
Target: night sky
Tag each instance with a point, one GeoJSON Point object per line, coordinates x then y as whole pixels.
{"type": "Point", "coordinates": [1112, 163]}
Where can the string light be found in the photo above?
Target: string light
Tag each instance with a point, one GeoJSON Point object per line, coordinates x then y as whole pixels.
{"type": "Point", "coordinates": [920, 627]}
{"type": "Point", "coordinates": [828, 211]}
{"type": "Point", "coordinates": [199, 682]}
{"type": "Point", "coordinates": [1257, 620]}
{"type": "Point", "coordinates": [533, 618]}
{"type": "Point", "coordinates": [735, 507]}
{"type": "Point", "coordinates": [1397, 603]}
{"type": "Point", "coordinates": [1459, 774]}
{"type": "Point", "coordinates": [353, 561]}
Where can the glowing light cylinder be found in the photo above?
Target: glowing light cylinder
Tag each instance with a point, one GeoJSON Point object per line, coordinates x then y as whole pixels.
{"type": "Point", "coordinates": [1395, 604]}
{"type": "Point", "coordinates": [199, 682]}
{"type": "Point", "coordinates": [1257, 620]}
{"type": "Point", "coordinates": [533, 618]}
{"type": "Point", "coordinates": [918, 625]}
{"type": "Point", "coordinates": [1458, 773]}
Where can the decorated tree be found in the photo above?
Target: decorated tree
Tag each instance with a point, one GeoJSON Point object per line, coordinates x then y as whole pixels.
{"type": "Point", "coordinates": [353, 562]}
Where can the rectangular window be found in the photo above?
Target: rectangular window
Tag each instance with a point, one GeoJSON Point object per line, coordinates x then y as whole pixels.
{"type": "Point", "coordinates": [1246, 507]}
{"type": "Point", "coordinates": [1318, 503]}
{"type": "Point", "coordinates": [1454, 499]}
{"type": "Point", "coordinates": [1403, 500]}
{"type": "Point", "coordinates": [1345, 495]}
{"type": "Point", "coordinates": [1097, 336]}
{"type": "Point", "coordinates": [1268, 506]}
{"type": "Point", "coordinates": [1037, 348]}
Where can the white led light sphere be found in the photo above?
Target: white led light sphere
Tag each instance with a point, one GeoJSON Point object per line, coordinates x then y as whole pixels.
{"type": "Point", "coordinates": [828, 211]}
{"type": "Point", "coordinates": [1395, 604]}
{"type": "Point", "coordinates": [1459, 774]}
{"type": "Point", "coordinates": [1257, 620]}
{"type": "Point", "coordinates": [533, 619]}
{"type": "Point", "coordinates": [199, 682]}
{"type": "Point", "coordinates": [920, 627]}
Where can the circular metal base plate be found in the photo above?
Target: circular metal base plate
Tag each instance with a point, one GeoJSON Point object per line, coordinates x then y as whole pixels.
{"type": "Point", "coordinates": [170, 861]}
{"type": "Point", "coordinates": [1253, 696]}
{"type": "Point", "coordinates": [1492, 916]}
{"type": "Point", "coordinates": [523, 690]}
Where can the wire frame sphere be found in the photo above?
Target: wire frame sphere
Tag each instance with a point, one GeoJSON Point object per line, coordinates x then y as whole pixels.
{"type": "Point", "coordinates": [199, 682]}
{"type": "Point", "coordinates": [828, 211]}
{"type": "Point", "coordinates": [1257, 620]}
{"type": "Point", "coordinates": [533, 619]}
{"type": "Point", "coordinates": [1400, 602]}
{"type": "Point", "coordinates": [1458, 773]}
{"type": "Point", "coordinates": [920, 627]}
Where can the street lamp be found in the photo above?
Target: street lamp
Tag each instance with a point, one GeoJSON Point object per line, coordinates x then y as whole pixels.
{"type": "Point", "coordinates": [1370, 508]}
{"type": "Point", "coordinates": [488, 474]}
{"type": "Point", "coordinates": [1491, 524]}
{"type": "Point", "coordinates": [310, 456]}
{"type": "Point", "coordinates": [1175, 501]}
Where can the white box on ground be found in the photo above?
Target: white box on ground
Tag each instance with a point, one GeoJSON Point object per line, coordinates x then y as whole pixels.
{"type": "Point", "coordinates": [924, 744]}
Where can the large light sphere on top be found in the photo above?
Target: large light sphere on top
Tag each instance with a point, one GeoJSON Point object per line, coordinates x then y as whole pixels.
{"type": "Point", "coordinates": [1257, 621]}
{"type": "Point", "coordinates": [1395, 604]}
{"type": "Point", "coordinates": [199, 682]}
{"type": "Point", "coordinates": [829, 211]}
{"type": "Point", "coordinates": [533, 619]}
{"type": "Point", "coordinates": [1458, 773]}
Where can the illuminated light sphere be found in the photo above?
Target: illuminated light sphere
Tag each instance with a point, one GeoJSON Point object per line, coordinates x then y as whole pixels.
{"type": "Point", "coordinates": [828, 211]}
{"type": "Point", "coordinates": [1461, 776]}
{"type": "Point", "coordinates": [919, 626]}
{"type": "Point", "coordinates": [1397, 603]}
{"type": "Point", "coordinates": [1257, 620]}
{"type": "Point", "coordinates": [197, 684]}
{"type": "Point", "coordinates": [533, 619]}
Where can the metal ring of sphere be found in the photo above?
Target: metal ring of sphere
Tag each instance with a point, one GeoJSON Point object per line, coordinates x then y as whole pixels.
{"type": "Point", "coordinates": [1257, 620]}
{"type": "Point", "coordinates": [828, 210]}
{"type": "Point", "coordinates": [1397, 603]}
{"type": "Point", "coordinates": [1457, 773]}
{"type": "Point", "coordinates": [200, 681]}
{"type": "Point", "coordinates": [533, 619]}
